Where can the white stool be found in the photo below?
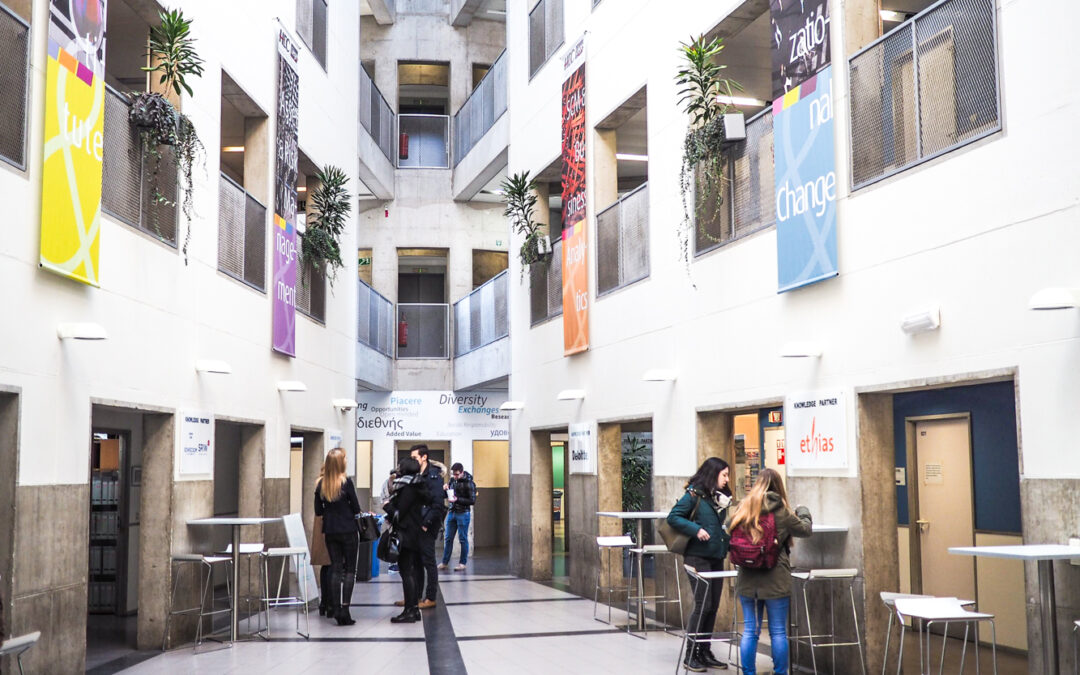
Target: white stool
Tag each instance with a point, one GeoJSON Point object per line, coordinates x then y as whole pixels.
{"type": "Point", "coordinates": [248, 552]}
{"type": "Point", "coordinates": [609, 544]}
{"type": "Point", "coordinates": [195, 560]}
{"type": "Point", "coordinates": [889, 599]}
{"type": "Point", "coordinates": [298, 554]}
{"type": "Point", "coordinates": [16, 646]}
{"type": "Point", "coordinates": [693, 635]}
{"type": "Point", "coordinates": [828, 576]}
{"type": "Point", "coordinates": [944, 611]}
{"type": "Point", "coordinates": [658, 552]}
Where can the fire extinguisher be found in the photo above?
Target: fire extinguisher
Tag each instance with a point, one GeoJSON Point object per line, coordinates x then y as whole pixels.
{"type": "Point", "coordinates": [403, 332]}
{"type": "Point", "coordinates": [403, 150]}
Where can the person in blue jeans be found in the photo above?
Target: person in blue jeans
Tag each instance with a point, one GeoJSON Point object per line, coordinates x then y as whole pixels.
{"type": "Point", "coordinates": [461, 493]}
{"type": "Point", "coordinates": [767, 591]}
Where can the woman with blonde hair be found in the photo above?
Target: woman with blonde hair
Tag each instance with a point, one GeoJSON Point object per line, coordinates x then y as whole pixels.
{"type": "Point", "coordinates": [337, 503]}
{"type": "Point", "coordinates": [761, 528]}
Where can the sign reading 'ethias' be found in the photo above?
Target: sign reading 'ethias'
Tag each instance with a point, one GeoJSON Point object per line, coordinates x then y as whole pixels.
{"type": "Point", "coordinates": [816, 431]}
{"type": "Point", "coordinates": [432, 415]}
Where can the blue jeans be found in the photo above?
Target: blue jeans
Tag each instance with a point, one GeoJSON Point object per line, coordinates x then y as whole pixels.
{"type": "Point", "coordinates": [457, 523]}
{"type": "Point", "coordinates": [753, 609]}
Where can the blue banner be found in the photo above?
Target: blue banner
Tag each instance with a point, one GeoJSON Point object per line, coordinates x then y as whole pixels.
{"type": "Point", "coordinates": [805, 183]}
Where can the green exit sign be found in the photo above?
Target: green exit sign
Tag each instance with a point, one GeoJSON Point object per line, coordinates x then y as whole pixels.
{"type": "Point", "coordinates": [498, 242]}
{"type": "Point", "coordinates": [365, 261]}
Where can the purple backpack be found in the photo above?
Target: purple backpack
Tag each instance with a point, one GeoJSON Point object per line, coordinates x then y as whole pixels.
{"type": "Point", "coordinates": [743, 552]}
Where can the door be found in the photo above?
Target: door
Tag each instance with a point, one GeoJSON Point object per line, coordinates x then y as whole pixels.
{"type": "Point", "coordinates": [773, 445]}
{"type": "Point", "coordinates": [944, 516]}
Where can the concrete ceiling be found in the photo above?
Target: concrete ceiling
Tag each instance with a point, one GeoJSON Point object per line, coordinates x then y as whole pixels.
{"type": "Point", "coordinates": [126, 45]}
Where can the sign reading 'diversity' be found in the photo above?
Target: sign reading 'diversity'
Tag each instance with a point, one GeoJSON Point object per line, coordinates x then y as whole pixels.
{"type": "Point", "coordinates": [432, 415]}
{"type": "Point", "coordinates": [800, 41]}
{"type": "Point", "coordinates": [575, 235]}
{"type": "Point", "coordinates": [284, 226]}
{"type": "Point", "coordinates": [74, 139]}
{"type": "Point", "coordinates": [815, 431]}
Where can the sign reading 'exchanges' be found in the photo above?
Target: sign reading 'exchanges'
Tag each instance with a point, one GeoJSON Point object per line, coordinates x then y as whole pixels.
{"type": "Point", "coordinates": [432, 415]}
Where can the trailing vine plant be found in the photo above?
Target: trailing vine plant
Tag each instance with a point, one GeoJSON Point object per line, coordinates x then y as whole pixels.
{"type": "Point", "coordinates": [519, 192]}
{"type": "Point", "coordinates": [701, 83]}
{"type": "Point", "coordinates": [172, 54]}
{"type": "Point", "coordinates": [328, 205]}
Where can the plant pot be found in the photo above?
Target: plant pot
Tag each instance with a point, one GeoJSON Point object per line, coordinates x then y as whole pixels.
{"type": "Point", "coordinates": [146, 113]}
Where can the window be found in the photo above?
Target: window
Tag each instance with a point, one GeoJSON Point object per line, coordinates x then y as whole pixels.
{"type": "Point", "coordinates": [14, 71]}
{"type": "Point", "coordinates": [622, 246]}
{"type": "Point", "coordinates": [311, 292]}
{"type": "Point", "coordinates": [241, 235]}
{"type": "Point", "coordinates": [311, 22]}
{"type": "Point", "coordinates": [545, 32]}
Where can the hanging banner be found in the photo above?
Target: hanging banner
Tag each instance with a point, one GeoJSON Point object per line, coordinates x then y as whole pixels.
{"type": "Point", "coordinates": [800, 35]}
{"type": "Point", "coordinates": [816, 429]}
{"type": "Point", "coordinates": [74, 140]}
{"type": "Point", "coordinates": [575, 237]}
{"type": "Point", "coordinates": [284, 227]}
{"type": "Point", "coordinates": [196, 434]}
{"type": "Point", "coordinates": [805, 178]}
{"type": "Point", "coordinates": [443, 415]}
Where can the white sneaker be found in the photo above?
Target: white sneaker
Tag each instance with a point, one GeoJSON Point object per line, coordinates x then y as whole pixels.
{"type": "Point", "coordinates": [442, 566]}
{"type": "Point", "coordinates": [459, 568]}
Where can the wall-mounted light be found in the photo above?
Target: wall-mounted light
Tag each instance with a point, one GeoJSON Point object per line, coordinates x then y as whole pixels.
{"type": "Point", "coordinates": [890, 15]}
{"type": "Point", "coordinates": [659, 375]}
{"type": "Point", "coordinates": [81, 331]}
{"type": "Point", "coordinates": [1055, 298]}
{"type": "Point", "coordinates": [571, 395]}
{"type": "Point", "coordinates": [346, 404]}
{"type": "Point", "coordinates": [232, 148]}
{"type": "Point", "coordinates": [921, 321]}
{"type": "Point", "coordinates": [301, 188]}
{"type": "Point", "coordinates": [512, 405]}
{"type": "Point", "coordinates": [800, 350]}
{"type": "Point", "coordinates": [291, 385]}
{"type": "Point", "coordinates": [741, 100]}
{"type": "Point", "coordinates": [631, 158]}
{"type": "Point", "coordinates": [213, 366]}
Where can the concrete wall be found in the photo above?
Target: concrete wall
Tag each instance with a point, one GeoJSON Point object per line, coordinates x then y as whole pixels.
{"type": "Point", "coordinates": [482, 365]}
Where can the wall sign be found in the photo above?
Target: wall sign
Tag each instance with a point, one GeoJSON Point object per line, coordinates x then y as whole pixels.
{"type": "Point", "coordinates": [800, 35]}
{"type": "Point", "coordinates": [816, 430]}
{"type": "Point", "coordinates": [196, 435]}
{"type": "Point", "coordinates": [575, 235]}
{"type": "Point", "coordinates": [432, 415]}
{"type": "Point", "coordinates": [284, 227]}
{"type": "Point", "coordinates": [74, 140]}
{"type": "Point", "coordinates": [583, 448]}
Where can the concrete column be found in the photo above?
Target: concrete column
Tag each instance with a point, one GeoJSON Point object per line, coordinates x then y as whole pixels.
{"type": "Point", "coordinates": [605, 170]}
{"type": "Point", "coordinates": [716, 437]}
{"type": "Point", "coordinates": [609, 495]}
{"type": "Point", "coordinates": [862, 23]}
{"type": "Point", "coordinates": [258, 160]}
{"type": "Point", "coordinates": [9, 469]}
{"type": "Point", "coordinates": [542, 216]}
{"type": "Point", "coordinates": [540, 503]}
{"type": "Point", "coordinates": [155, 541]}
{"type": "Point", "coordinates": [313, 461]}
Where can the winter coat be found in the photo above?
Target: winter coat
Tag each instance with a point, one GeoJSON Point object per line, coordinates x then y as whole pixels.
{"type": "Point", "coordinates": [709, 516]}
{"type": "Point", "coordinates": [435, 510]}
{"type": "Point", "coordinates": [405, 508]}
{"type": "Point", "coordinates": [339, 516]}
{"type": "Point", "coordinates": [464, 489]}
{"type": "Point", "coordinates": [774, 583]}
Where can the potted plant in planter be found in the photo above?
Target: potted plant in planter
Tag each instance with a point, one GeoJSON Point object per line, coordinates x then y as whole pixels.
{"type": "Point", "coordinates": [520, 195]}
{"type": "Point", "coordinates": [328, 205]}
{"type": "Point", "coordinates": [172, 54]}
{"type": "Point", "coordinates": [701, 84]}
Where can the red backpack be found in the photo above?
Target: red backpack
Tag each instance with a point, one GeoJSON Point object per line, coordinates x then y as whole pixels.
{"type": "Point", "coordinates": [763, 555]}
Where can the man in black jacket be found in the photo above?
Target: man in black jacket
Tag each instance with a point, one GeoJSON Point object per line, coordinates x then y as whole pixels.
{"type": "Point", "coordinates": [432, 474]}
{"type": "Point", "coordinates": [461, 491]}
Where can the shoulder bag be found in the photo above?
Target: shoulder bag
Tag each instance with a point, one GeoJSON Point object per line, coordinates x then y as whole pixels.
{"type": "Point", "coordinates": [676, 541]}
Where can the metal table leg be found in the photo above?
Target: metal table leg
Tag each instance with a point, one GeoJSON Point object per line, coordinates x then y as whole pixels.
{"type": "Point", "coordinates": [234, 615]}
{"type": "Point", "coordinates": [640, 576]}
{"type": "Point", "coordinates": [1048, 614]}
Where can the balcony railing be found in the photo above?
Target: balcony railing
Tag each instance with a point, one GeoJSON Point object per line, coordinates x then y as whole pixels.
{"type": "Point", "coordinates": [376, 116]}
{"type": "Point", "coordinates": [14, 82]}
{"type": "Point", "coordinates": [425, 142]}
{"type": "Point", "coordinates": [622, 241]}
{"type": "Point", "coordinates": [426, 331]}
{"type": "Point", "coordinates": [481, 110]}
{"type": "Point", "coordinates": [927, 87]}
{"type": "Point", "coordinates": [241, 234]}
{"type": "Point", "coordinates": [545, 286]}
{"type": "Point", "coordinates": [376, 320]}
{"type": "Point", "coordinates": [480, 318]}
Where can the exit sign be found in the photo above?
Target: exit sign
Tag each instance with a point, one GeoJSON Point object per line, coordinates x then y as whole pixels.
{"type": "Point", "coordinates": [365, 261]}
{"type": "Point", "coordinates": [498, 242]}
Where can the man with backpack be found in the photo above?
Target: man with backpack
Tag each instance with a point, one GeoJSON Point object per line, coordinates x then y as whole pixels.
{"type": "Point", "coordinates": [461, 493]}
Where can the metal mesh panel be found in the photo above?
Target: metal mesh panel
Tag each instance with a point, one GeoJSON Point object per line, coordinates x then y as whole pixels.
{"type": "Point", "coordinates": [121, 170]}
{"type": "Point", "coordinates": [303, 288]}
{"type": "Point", "coordinates": [607, 249]}
{"type": "Point", "coordinates": [427, 331]}
{"type": "Point", "coordinates": [883, 107]}
{"type": "Point", "coordinates": [373, 313]}
{"type": "Point", "coordinates": [318, 31]}
{"type": "Point", "coordinates": [537, 49]}
{"type": "Point", "coordinates": [554, 279]}
{"type": "Point", "coordinates": [254, 243]}
{"type": "Point", "coordinates": [712, 222]}
{"type": "Point", "coordinates": [498, 74]}
{"type": "Point", "coordinates": [230, 228]}
{"type": "Point", "coordinates": [428, 141]}
{"type": "Point", "coordinates": [753, 187]}
{"type": "Point", "coordinates": [476, 320]}
{"type": "Point", "coordinates": [538, 301]}
{"type": "Point", "coordinates": [462, 332]}
{"type": "Point", "coordinates": [14, 67]}
{"type": "Point", "coordinates": [553, 26]}
{"type": "Point", "coordinates": [160, 196]}
{"type": "Point", "coordinates": [634, 236]}
{"type": "Point", "coordinates": [365, 318]}
{"type": "Point", "coordinates": [386, 328]}
{"type": "Point", "coordinates": [502, 314]}
{"type": "Point", "coordinates": [478, 114]}
{"type": "Point", "coordinates": [305, 20]}
{"type": "Point", "coordinates": [365, 102]}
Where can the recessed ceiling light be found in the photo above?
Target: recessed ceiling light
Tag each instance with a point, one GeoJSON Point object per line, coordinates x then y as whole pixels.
{"type": "Point", "coordinates": [233, 148]}
{"type": "Point", "coordinates": [741, 100]}
{"type": "Point", "coordinates": [301, 188]}
{"type": "Point", "coordinates": [890, 15]}
{"type": "Point", "coordinates": [631, 158]}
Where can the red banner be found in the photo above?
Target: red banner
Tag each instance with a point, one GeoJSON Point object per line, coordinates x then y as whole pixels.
{"type": "Point", "coordinates": [575, 247]}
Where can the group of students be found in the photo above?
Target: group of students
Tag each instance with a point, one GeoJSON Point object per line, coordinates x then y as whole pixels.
{"type": "Point", "coordinates": [759, 528]}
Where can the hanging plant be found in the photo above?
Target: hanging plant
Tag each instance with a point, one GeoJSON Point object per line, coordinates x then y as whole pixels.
{"type": "Point", "coordinates": [172, 53]}
{"type": "Point", "coordinates": [702, 173]}
{"type": "Point", "coordinates": [328, 206]}
{"type": "Point", "coordinates": [520, 194]}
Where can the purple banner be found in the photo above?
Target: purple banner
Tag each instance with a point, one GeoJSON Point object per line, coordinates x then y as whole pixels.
{"type": "Point", "coordinates": [284, 227]}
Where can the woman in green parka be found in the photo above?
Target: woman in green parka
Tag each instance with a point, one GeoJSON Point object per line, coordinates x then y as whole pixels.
{"type": "Point", "coordinates": [700, 515]}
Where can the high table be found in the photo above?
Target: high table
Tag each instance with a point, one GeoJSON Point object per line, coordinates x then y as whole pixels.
{"type": "Point", "coordinates": [1044, 555]}
{"type": "Point", "coordinates": [640, 517]}
{"type": "Point", "coordinates": [236, 524]}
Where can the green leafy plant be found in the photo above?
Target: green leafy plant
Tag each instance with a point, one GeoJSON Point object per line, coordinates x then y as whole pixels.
{"type": "Point", "coordinates": [701, 83]}
{"type": "Point", "coordinates": [519, 191]}
{"type": "Point", "coordinates": [636, 477]}
{"type": "Point", "coordinates": [172, 51]}
{"type": "Point", "coordinates": [328, 205]}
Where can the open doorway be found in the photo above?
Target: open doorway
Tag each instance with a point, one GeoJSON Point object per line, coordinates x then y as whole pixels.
{"type": "Point", "coordinates": [560, 540]}
{"type": "Point", "coordinates": [490, 522]}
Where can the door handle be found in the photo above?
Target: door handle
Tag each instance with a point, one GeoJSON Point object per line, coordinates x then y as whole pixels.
{"type": "Point", "coordinates": [924, 525]}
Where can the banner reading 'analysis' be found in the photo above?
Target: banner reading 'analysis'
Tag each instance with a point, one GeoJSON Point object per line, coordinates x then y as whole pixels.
{"type": "Point", "coordinates": [284, 227]}
{"type": "Point", "coordinates": [74, 140]}
{"type": "Point", "coordinates": [575, 235]}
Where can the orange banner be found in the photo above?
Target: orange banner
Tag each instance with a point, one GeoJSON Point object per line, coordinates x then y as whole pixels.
{"type": "Point", "coordinates": [575, 289]}
{"type": "Point", "coordinates": [575, 239]}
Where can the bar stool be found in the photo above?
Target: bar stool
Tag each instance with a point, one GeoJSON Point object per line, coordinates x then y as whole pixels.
{"type": "Point", "coordinates": [944, 611]}
{"type": "Point", "coordinates": [249, 552]}
{"type": "Point", "coordinates": [194, 561]}
{"type": "Point", "coordinates": [609, 544]}
{"type": "Point", "coordinates": [693, 635]}
{"type": "Point", "coordinates": [889, 599]}
{"type": "Point", "coordinates": [822, 576]}
{"type": "Point", "coordinates": [658, 553]}
{"type": "Point", "coordinates": [17, 646]}
{"type": "Point", "coordinates": [298, 555]}
{"type": "Point", "coordinates": [1076, 639]}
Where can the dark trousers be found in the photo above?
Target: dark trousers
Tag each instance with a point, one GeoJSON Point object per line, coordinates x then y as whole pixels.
{"type": "Point", "coordinates": [342, 550]}
{"type": "Point", "coordinates": [706, 601]}
{"type": "Point", "coordinates": [411, 569]}
{"type": "Point", "coordinates": [324, 586]}
{"type": "Point", "coordinates": [427, 555]}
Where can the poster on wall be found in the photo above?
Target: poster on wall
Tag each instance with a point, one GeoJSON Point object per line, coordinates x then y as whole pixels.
{"type": "Point", "coordinates": [575, 236]}
{"type": "Point", "coordinates": [196, 434]}
{"type": "Point", "coordinates": [805, 177]}
{"type": "Point", "coordinates": [334, 439]}
{"type": "Point", "coordinates": [816, 430]}
{"type": "Point", "coordinates": [432, 415]}
{"type": "Point", "coordinates": [800, 41]}
{"type": "Point", "coordinates": [583, 448]}
{"type": "Point", "coordinates": [74, 140]}
{"type": "Point", "coordinates": [285, 173]}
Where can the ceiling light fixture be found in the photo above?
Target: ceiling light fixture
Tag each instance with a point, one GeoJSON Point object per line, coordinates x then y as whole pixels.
{"type": "Point", "coordinates": [659, 375]}
{"type": "Point", "coordinates": [346, 404]}
{"type": "Point", "coordinates": [571, 395]}
{"type": "Point", "coordinates": [232, 148]}
{"type": "Point", "coordinates": [512, 405]}
{"type": "Point", "coordinates": [291, 385]}
{"type": "Point", "coordinates": [800, 350]}
{"type": "Point", "coordinates": [301, 188]}
{"type": "Point", "coordinates": [631, 158]}
{"type": "Point", "coordinates": [890, 15]}
{"type": "Point", "coordinates": [80, 331]}
{"type": "Point", "coordinates": [1055, 298]}
{"type": "Point", "coordinates": [921, 322]}
{"type": "Point", "coordinates": [741, 100]}
{"type": "Point", "coordinates": [213, 366]}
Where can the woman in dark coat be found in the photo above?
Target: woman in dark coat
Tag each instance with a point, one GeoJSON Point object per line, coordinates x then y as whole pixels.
{"type": "Point", "coordinates": [410, 496]}
{"type": "Point", "coordinates": [337, 503]}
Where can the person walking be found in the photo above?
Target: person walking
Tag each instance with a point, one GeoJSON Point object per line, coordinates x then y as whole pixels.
{"type": "Point", "coordinates": [765, 516]}
{"type": "Point", "coordinates": [461, 492]}
{"type": "Point", "coordinates": [405, 510]}
{"type": "Point", "coordinates": [337, 503]}
{"type": "Point", "coordinates": [431, 472]}
{"type": "Point", "coordinates": [700, 514]}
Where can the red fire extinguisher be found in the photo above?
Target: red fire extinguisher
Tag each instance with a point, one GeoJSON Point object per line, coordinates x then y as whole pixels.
{"type": "Point", "coordinates": [403, 150]}
{"type": "Point", "coordinates": [403, 332]}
